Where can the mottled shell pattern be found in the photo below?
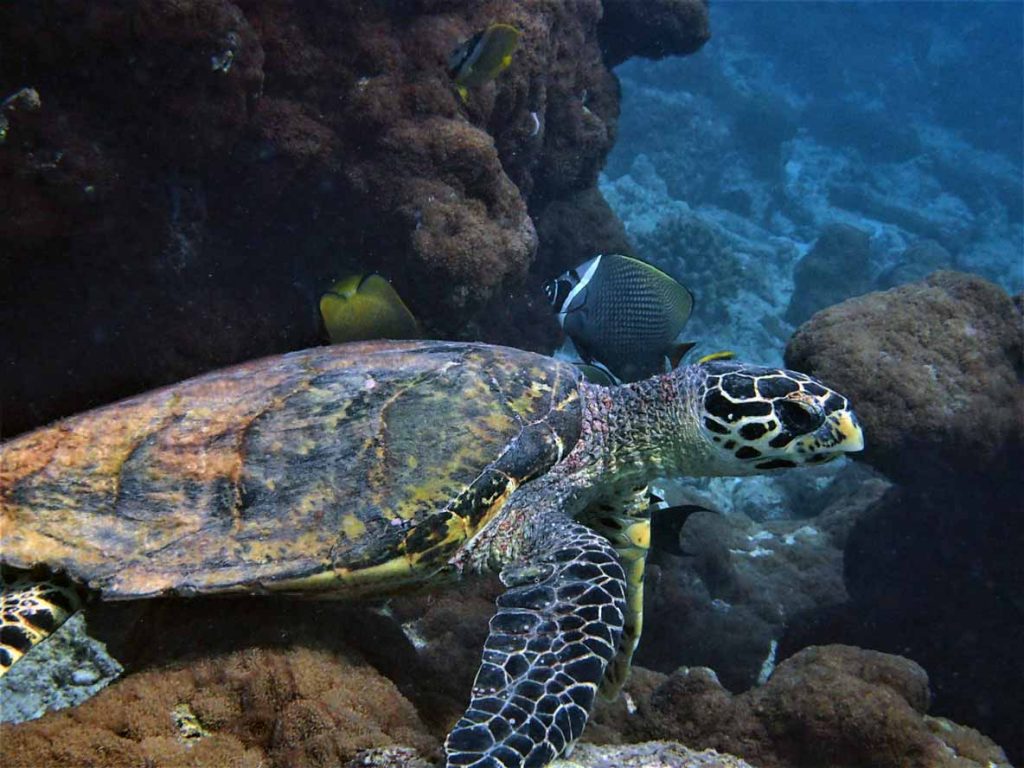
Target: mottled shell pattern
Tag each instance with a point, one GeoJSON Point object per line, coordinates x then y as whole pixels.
{"type": "Point", "coordinates": [345, 468]}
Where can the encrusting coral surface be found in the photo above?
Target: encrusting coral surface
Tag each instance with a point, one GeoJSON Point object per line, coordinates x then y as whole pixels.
{"type": "Point", "coordinates": [188, 177]}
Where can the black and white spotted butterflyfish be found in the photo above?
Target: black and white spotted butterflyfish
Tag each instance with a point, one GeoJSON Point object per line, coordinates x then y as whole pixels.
{"type": "Point", "coordinates": [622, 317]}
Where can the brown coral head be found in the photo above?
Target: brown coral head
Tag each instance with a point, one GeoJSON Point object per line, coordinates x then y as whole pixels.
{"type": "Point", "coordinates": [760, 419]}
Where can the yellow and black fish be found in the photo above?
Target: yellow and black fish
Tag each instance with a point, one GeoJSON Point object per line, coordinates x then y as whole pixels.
{"type": "Point", "coordinates": [364, 307]}
{"type": "Point", "coordinates": [482, 57]}
{"type": "Point", "coordinates": [622, 316]}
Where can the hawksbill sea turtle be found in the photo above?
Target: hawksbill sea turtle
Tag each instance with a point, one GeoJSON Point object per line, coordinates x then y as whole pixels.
{"type": "Point", "coordinates": [371, 468]}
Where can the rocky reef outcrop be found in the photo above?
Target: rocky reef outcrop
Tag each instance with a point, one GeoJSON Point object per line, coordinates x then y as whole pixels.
{"type": "Point", "coordinates": [770, 137]}
{"type": "Point", "coordinates": [739, 582]}
{"type": "Point", "coordinates": [836, 268]}
{"type": "Point", "coordinates": [652, 29]}
{"type": "Point", "coordinates": [182, 180]}
{"type": "Point", "coordinates": [933, 567]}
{"type": "Point", "coordinates": [935, 370]}
{"type": "Point", "coordinates": [915, 263]}
{"type": "Point", "coordinates": [825, 706]}
{"type": "Point", "coordinates": [298, 707]}
{"type": "Point", "coordinates": [327, 704]}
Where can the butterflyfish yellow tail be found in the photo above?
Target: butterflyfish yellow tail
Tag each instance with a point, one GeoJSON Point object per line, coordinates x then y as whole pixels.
{"type": "Point", "coordinates": [723, 355]}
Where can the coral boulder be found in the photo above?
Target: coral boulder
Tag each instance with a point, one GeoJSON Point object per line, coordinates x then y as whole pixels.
{"type": "Point", "coordinates": [934, 369]}
{"type": "Point", "coordinates": [826, 706]}
{"type": "Point", "coordinates": [250, 708]}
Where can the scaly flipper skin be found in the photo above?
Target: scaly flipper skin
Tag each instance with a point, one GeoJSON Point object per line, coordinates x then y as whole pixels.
{"type": "Point", "coordinates": [31, 609]}
{"type": "Point", "coordinates": [557, 628]}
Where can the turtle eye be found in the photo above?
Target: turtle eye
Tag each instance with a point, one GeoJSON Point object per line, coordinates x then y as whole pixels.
{"type": "Point", "coordinates": [799, 417]}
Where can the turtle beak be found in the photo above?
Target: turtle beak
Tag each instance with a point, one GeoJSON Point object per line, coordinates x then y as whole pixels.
{"type": "Point", "coordinates": [846, 428]}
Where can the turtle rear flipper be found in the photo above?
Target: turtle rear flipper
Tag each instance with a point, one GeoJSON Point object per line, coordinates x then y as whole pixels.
{"type": "Point", "coordinates": [32, 607]}
{"type": "Point", "coordinates": [557, 627]}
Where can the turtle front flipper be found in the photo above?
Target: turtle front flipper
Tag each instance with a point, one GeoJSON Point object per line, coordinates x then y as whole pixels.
{"type": "Point", "coordinates": [32, 607]}
{"type": "Point", "coordinates": [556, 629]}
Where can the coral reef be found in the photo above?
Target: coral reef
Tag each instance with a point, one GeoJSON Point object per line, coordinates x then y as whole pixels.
{"type": "Point", "coordinates": [654, 754]}
{"type": "Point", "coordinates": [314, 706]}
{"type": "Point", "coordinates": [189, 176]}
{"type": "Point", "coordinates": [688, 245]}
{"type": "Point", "coordinates": [918, 261]}
{"type": "Point", "coordinates": [931, 173]}
{"type": "Point", "coordinates": [737, 272]}
{"type": "Point", "coordinates": [299, 707]}
{"type": "Point", "coordinates": [836, 268]}
{"type": "Point", "coordinates": [652, 29]}
{"type": "Point", "coordinates": [721, 130]}
{"type": "Point", "coordinates": [934, 368]}
{"type": "Point", "coordinates": [572, 230]}
{"type": "Point", "coordinates": [967, 539]}
{"type": "Point", "coordinates": [826, 706]}
{"type": "Point", "coordinates": [739, 583]}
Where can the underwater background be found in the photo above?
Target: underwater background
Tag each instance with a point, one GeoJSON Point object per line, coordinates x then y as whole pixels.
{"type": "Point", "coordinates": [839, 185]}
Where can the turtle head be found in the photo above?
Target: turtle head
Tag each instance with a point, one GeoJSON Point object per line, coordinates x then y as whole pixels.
{"type": "Point", "coordinates": [760, 419]}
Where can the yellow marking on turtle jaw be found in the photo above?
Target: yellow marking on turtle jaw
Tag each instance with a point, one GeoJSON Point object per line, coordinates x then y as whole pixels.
{"type": "Point", "coordinates": [853, 436]}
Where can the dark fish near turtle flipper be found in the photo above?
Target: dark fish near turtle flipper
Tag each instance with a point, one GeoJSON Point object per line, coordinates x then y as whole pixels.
{"type": "Point", "coordinates": [363, 307]}
{"type": "Point", "coordinates": [624, 314]}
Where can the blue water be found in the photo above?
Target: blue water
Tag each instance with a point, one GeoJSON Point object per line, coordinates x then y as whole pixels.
{"type": "Point", "coordinates": [901, 119]}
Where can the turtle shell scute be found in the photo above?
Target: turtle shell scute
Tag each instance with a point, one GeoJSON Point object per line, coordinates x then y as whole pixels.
{"type": "Point", "coordinates": [281, 470]}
